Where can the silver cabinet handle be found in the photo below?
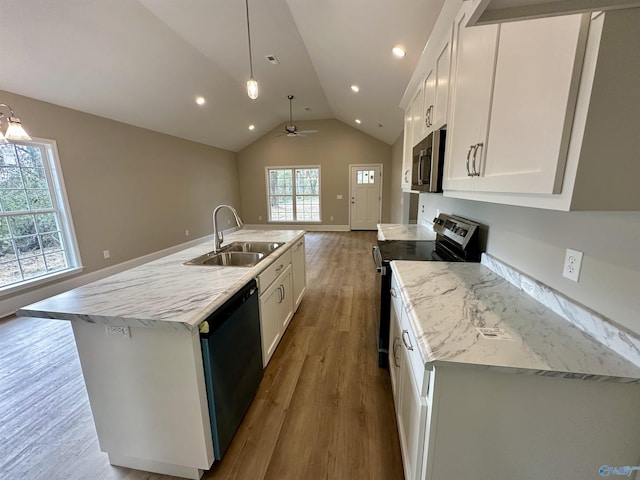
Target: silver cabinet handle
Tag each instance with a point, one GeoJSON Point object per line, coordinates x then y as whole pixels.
{"type": "Point", "coordinates": [279, 295]}
{"type": "Point", "coordinates": [284, 292]}
{"type": "Point", "coordinates": [475, 153]}
{"type": "Point", "coordinates": [394, 294]}
{"type": "Point", "coordinates": [406, 176]}
{"type": "Point", "coordinates": [300, 243]}
{"type": "Point", "coordinates": [279, 269]}
{"type": "Point", "coordinates": [468, 157]}
{"type": "Point", "coordinates": [404, 340]}
{"type": "Point", "coordinates": [395, 355]}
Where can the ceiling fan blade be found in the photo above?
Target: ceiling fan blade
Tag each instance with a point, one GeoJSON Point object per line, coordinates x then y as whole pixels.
{"type": "Point", "coordinates": [307, 131]}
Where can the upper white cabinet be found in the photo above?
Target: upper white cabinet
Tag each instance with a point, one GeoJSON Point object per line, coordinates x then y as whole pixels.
{"type": "Point", "coordinates": [543, 112]}
{"type": "Point", "coordinates": [474, 50]}
{"type": "Point", "coordinates": [514, 102]}
{"type": "Point", "coordinates": [407, 149]}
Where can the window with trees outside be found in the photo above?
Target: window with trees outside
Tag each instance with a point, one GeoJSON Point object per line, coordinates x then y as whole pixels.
{"type": "Point", "coordinates": [36, 233]}
{"type": "Point", "coordinates": [293, 194]}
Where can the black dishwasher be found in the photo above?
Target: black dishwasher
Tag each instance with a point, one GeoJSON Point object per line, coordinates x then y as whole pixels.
{"type": "Point", "coordinates": [232, 356]}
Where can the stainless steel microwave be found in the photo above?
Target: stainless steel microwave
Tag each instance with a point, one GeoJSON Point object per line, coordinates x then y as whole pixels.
{"type": "Point", "coordinates": [428, 161]}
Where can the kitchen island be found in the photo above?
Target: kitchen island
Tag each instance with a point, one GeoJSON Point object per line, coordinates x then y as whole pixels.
{"type": "Point", "coordinates": [145, 381]}
{"type": "Point", "coordinates": [491, 383]}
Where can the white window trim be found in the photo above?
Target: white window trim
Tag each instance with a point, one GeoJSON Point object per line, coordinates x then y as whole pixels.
{"type": "Point", "coordinates": [61, 202]}
{"type": "Point", "coordinates": [294, 167]}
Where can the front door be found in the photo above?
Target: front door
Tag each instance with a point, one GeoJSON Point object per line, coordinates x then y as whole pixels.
{"type": "Point", "coordinates": [366, 196]}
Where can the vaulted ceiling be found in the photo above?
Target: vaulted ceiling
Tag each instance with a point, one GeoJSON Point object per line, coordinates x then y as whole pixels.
{"type": "Point", "coordinates": [143, 62]}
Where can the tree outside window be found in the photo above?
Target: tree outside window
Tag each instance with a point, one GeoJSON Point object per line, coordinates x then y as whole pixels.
{"type": "Point", "coordinates": [293, 194]}
{"type": "Point", "coordinates": [35, 230]}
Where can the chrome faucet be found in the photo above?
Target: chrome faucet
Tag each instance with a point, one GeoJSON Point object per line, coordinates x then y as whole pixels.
{"type": "Point", "coordinates": [218, 236]}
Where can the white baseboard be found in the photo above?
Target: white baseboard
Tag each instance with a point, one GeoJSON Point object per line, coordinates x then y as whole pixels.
{"type": "Point", "coordinates": [309, 227]}
{"type": "Point", "coordinates": [9, 305]}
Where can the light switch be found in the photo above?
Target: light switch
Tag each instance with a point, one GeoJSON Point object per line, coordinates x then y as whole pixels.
{"type": "Point", "coordinates": [339, 197]}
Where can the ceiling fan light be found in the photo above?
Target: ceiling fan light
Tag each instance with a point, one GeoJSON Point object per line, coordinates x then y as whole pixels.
{"type": "Point", "coordinates": [15, 130]}
{"type": "Point", "coordinates": [252, 88]}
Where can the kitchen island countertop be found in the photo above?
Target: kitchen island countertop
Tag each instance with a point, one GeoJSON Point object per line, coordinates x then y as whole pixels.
{"type": "Point", "coordinates": [399, 231]}
{"type": "Point", "coordinates": [448, 304]}
{"type": "Point", "coordinates": [163, 293]}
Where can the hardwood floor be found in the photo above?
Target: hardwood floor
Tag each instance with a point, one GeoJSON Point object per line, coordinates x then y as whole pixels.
{"type": "Point", "coordinates": [323, 410]}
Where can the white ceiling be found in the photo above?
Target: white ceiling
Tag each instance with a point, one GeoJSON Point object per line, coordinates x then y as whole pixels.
{"type": "Point", "coordinates": [143, 62]}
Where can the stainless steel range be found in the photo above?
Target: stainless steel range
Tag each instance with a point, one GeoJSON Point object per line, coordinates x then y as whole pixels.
{"type": "Point", "coordinates": [456, 240]}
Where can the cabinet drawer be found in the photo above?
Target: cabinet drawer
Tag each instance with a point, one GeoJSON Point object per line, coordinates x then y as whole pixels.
{"type": "Point", "coordinates": [267, 277]}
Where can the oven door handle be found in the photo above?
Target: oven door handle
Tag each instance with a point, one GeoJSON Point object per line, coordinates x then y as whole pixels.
{"type": "Point", "coordinates": [377, 260]}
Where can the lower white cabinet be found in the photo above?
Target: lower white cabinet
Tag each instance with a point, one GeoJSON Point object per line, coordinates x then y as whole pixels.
{"type": "Point", "coordinates": [282, 286]}
{"type": "Point", "coordinates": [467, 421]}
{"type": "Point", "coordinates": [298, 272]}
{"type": "Point", "coordinates": [410, 403]}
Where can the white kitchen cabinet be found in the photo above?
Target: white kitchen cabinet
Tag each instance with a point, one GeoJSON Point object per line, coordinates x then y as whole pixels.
{"type": "Point", "coordinates": [407, 150]}
{"type": "Point", "coordinates": [510, 129]}
{"type": "Point", "coordinates": [276, 303]}
{"type": "Point", "coordinates": [442, 85]}
{"type": "Point", "coordinates": [298, 271]}
{"type": "Point", "coordinates": [458, 420]}
{"type": "Point", "coordinates": [474, 51]}
{"type": "Point", "coordinates": [436, 88]}
{"type": "Point", "coordinates": [417, 111]}
{"type": "Point", "coordinates": [561, 114]}
{"type": "Point", "coordinates": [410, 404]}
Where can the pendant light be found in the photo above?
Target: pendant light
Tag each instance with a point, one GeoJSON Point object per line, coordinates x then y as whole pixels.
{"type": "Point", "coordinates": [14, 128]}
{"type": "Point", "coordinates": [252, 83]}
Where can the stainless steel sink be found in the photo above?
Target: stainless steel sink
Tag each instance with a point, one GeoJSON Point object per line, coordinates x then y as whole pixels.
{"type": "Point", "coordinates": [236, 254]}
{"type": "Point", "coordinates": [260, 247]}
{"type": "Point", "coordinates": [228, 259]}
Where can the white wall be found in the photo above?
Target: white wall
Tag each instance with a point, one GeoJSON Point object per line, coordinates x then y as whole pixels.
{"type": "Point", "coordinates": [534, 241]}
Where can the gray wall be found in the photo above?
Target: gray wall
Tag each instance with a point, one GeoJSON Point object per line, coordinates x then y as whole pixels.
{"type": "Point", "coordinates": [534, 241]}
{"type": "Point", "coordinates": [131, 191]}
{"type": "Point", "coordinates": [334, 147]}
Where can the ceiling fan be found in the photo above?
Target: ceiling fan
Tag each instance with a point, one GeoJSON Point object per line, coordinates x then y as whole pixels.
{"type": "Point", "coordinates": [291, 130]}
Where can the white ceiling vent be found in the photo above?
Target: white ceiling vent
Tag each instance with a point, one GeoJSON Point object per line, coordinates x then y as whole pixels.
{"type": "Point", "coordinates": [272, 59]}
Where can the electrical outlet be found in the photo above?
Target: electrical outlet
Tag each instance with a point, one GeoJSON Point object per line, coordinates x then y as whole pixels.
{"type": "Point", "coordinates": [572, 264]}
{"type": "Point", "coordinates": [106, 253]}
{"type": "Point", "coordinates": [186, 233]}
{"type": "Point", "coordinates": [331, 219]}
{"type": "Point", "coordinates": [259, 217]}
{"type": "Point", "coordinates": [339, 197]}
{"type": "Point", "coordinates": [118, 331]}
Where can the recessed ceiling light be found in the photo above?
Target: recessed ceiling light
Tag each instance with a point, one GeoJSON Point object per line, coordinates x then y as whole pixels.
{"type": "Point", "coordinates": [358, 121]}
{"type": "Point", "coordinates": [355, 88]}
{"type": "Point", "coordinates": [200, 100]}
{"type": "Point", "coordinates": [399, 52]}
{"type": "Point", "coordinates": [252, 127]}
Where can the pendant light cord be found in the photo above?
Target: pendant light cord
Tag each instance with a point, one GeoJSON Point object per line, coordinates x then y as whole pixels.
{"type": "Point", "coordinates": [249, 36]}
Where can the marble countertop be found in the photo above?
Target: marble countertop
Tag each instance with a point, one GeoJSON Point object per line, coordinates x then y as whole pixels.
{"type": "Point", "coordinates": [447, 304]}
{"type": "Point", "coordinates": [163, 293]}
{"type": "Point", "coordinates": [398, 231]}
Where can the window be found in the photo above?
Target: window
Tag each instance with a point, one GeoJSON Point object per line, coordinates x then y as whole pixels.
{"type": "Point", "coordinates": [365, 177]}
{"type": "Point", "coordinates": [36, 236]}
{"type": "Point", "coordinates": [293, 194]}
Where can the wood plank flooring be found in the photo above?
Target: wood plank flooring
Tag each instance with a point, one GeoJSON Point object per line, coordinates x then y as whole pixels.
{"type": "Point", "coordinates": [323, 411]}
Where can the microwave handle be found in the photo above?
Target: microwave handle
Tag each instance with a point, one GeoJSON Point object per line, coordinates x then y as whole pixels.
{"type": "Point", "coordinates": [423, 153]}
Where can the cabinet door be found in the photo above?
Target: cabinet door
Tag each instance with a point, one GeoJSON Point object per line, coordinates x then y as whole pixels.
{"type": "Point", "coordinates": [395, 354]}
{"type": "Point", "coordinates": [286, 302]}
{"type": "Point", "coordinates": [270, 327]}
{"type": "Point", "coordinates": [443, 73]}
{"type": "Point", "coordinates": [538, 68]}
{"type": "Point", "coordinates": [417, 111]}
{"type": "Point", "coordinates": [407, 152]}
{"type": "Point", "coordinates": [429, 103]}
{"type": "Point", "coordinates": [411, 411]}
{"type": "Point", "coordinates": [474, 50]}
{"type": "Point", "coordinates": [298, 267]}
